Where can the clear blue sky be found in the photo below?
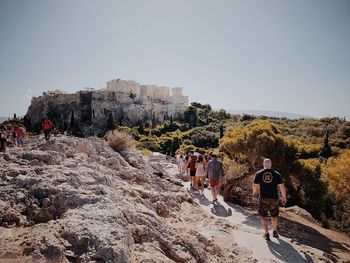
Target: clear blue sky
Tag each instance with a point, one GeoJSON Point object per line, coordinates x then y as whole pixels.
{"type": "Point", "coordinates": [291, 56]}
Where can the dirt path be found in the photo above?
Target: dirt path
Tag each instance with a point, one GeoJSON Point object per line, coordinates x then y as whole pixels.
{"type": "Point", "coordinates": [248, 234]}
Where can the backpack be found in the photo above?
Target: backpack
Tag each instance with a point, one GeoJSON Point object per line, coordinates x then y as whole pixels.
{"type": "Point", "coordinates": [47, 125]}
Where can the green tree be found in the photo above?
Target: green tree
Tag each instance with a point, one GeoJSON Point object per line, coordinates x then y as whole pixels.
{"type": "Point", "coordinates": [337, 175]}
{"type": "Point", "coordinates": [132, 96]}
{"type": "Point", "coordinates": [141, 128]}
{"type": "Point", "coordinates": [72, 121]}
{"type": "Point", "coordinates": [110, 122]}
{"type": "Point", "coordinates": [326, 150]}
{"type": "Point", "coordinates": [78, 130]}
{"type": "Point", "coordinates": [153, 120]}
{"type": "Point", "coordinates": [65, 125]}
{"type": "Point", "coordinates": [253, 142]}
{"type": "Point", "coordinates": [191, 116]}
{"type": "Point", "coordinates": [175, 145]}
{"type": "Point", "coordinates": [221, 130]}
{"type": "Point", "coordinates": [223, 115]}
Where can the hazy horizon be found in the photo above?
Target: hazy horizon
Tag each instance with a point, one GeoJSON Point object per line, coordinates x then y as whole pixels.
{"type": "Point", "coordinates": [290, 56]}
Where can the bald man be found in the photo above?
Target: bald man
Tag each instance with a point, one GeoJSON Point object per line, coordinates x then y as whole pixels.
{"type": "Point", "coordinates": [266, 184]}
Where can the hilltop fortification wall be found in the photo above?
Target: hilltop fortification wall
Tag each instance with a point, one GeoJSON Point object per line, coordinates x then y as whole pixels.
{"type": "Point", "coordinates": [126, 101]}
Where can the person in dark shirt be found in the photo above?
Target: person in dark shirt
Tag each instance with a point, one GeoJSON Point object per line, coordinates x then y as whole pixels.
{"type": "Point", "coordinates": [266, 184]}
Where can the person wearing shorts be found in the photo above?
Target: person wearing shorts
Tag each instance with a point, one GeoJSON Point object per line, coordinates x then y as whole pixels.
{"type": "Point", "coordinates": [200, 173]}
{"type": "Point", "coordinates": [266, 184]}
{"type": "Point", "coordinates": [215, 173]}
{"type": "Point", "coordinates": [191, 164]}
{"type": "Point", "coordinates": [20, 132]}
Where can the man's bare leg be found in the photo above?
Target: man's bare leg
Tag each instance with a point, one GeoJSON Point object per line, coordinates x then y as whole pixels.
{"type": "Point", "coordinates": [212, 190]}
{"type": "Point", "coordinates": [216, 188]}
{"type": "Point", "coordinates": [195, 179]}
{"type": "Point", "coordinates": [202, 184]}
{"type": "Point", "coordinates": [274, 221]}
{"type": "Point", "coordinates": [265, 224]}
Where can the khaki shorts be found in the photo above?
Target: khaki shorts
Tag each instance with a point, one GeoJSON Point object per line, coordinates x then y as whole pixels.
{"type": "Point", "coordinates": [267, 206]}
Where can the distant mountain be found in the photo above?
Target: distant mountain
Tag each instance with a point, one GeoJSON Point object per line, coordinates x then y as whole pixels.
{"type": "Point", "coordinates": [2, 119]}
{"type": "Point", "coordinates": [276, 114]}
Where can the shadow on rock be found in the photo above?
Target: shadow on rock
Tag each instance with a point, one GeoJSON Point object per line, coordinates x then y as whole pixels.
{"type": "Point", "coordinates": [202, 199]}
{"type": "Point", "coordinates": [250, 220]}
{"type": "Point", "coordinates": [285, 252]}
{"type": "Point", "coordinates": [221, 211]}
{"type": "Point", "coordinates": [309, 236]}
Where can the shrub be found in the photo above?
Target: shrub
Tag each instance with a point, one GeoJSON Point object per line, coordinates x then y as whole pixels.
{"type": "Point", "coordinates": [234, 169]}
{"type": "Point", "coordinates": [119, 141]}
{"type": "Point", "coordinates": [251, 143]}
{"type": "Point", "coordinates": [185, 148]}
{"type": "Point", "coordinates": [150, 145]}
{"type": "Point", "coordinates": [146, 152]}
{"type": "Point", "coordinates": [337, 175]}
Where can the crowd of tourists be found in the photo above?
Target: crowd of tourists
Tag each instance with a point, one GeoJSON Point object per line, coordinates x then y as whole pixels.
{"type": "Point", "coordinates": [267, 185]}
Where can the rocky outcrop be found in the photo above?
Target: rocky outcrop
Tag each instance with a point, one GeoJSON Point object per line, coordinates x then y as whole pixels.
{"type": "Point", "coordinates": [89, 110]}
{"type": "Point", "coordinates": [77, 200]}
{"type": "Point", "coordinates": [301, 212]}
{"type": "Point", "coordinates": [238, 190]}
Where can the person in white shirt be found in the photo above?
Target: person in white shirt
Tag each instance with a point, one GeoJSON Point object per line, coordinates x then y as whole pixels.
{"type": "Point", "coordinates": [200, 172]}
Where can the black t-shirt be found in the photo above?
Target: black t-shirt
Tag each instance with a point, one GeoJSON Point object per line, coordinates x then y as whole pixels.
{"type": "Point", "coordinates": [268, 180]}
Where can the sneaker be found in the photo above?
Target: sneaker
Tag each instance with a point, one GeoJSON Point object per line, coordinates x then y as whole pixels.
{"type": "Point", "coordinates": [214, 202]}
{"type": "Point", "coordinates": [275, 234]}
{"type": "Point", "coordinates": [267, 237]}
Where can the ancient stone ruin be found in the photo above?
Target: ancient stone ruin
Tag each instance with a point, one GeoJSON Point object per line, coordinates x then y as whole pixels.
{"type": "Point", "coordinates": [126, 101]}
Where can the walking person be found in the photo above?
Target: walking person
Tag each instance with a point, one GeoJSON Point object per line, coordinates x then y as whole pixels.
{"type": "Point", "coordinates": [3, 138]}
{"type": "Point", "coordinates": [216, 173]}
{"type": "Point", "coordinates": [20, 132]}
{"type": "Point", "coordinates": [180, 163]}
{"type": "Point", "coordinates": [200, 173]}
{"type": "Point", "coordinates": [191, 165]}
{"type": "Point", "coordinates": [47, 127]}
{"type": "Point", "coordinates": [266, 184]}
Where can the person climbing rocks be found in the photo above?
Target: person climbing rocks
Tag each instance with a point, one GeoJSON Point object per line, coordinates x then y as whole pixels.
{"type": "Point", "coordinates": [20, 132]}
{"type": "Point", "coordinates": [266, 184]}
{"type": "Point", "coordinates": [47, 127]}
{"type": "Point", "coordinates": [200, 173]}
{"type": "Point", "coordinates": [191, 165]}
{"type": "Point", "coordinates": [216, 174]}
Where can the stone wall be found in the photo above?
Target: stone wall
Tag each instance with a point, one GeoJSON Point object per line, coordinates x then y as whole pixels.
{"type": "Point", "coordinates": [91, 109]}
{"type": "Point", "coordinates": [126, 86]}
{"type": "Point", "coordinates": [156, 92]}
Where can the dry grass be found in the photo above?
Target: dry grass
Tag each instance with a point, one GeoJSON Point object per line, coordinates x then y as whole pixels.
{"type": "Point", "coordinates": [120, 141]}
{"type": "Point", "coordinates": [146, 152]}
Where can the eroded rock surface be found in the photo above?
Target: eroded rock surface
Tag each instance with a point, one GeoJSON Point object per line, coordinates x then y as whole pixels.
{"type": "Point", "coordinates": [77, 200]}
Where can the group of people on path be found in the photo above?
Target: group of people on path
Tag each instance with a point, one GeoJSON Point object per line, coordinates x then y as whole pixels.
{"type": "Point", "coordinates": [266, 186]}
{"type": "Point", "coordinates": [199, 168]}
{"type": "Point", "coordinates": [11, 135]}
